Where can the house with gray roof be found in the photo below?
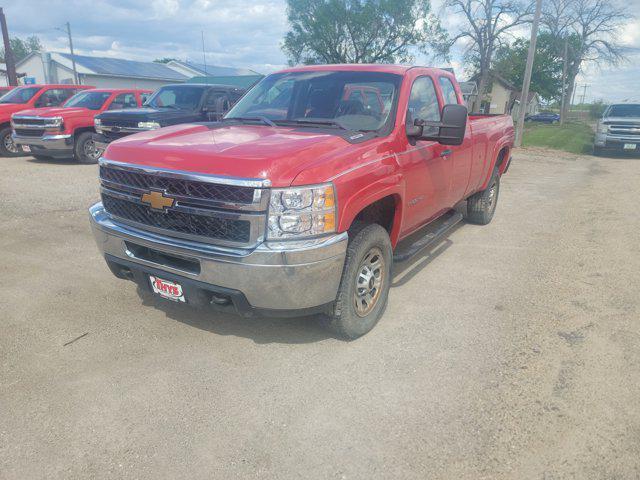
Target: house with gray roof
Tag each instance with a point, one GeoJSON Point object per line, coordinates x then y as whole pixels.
{"type": "Point", "coordinates": [101, 72]}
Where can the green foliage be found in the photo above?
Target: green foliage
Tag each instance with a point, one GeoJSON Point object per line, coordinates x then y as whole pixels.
{"type": "Point", "coordinates": [546, 77]}
{"type": "Point", "coordinates": [359, 31]}
{"type": "Point", "coordinates": [573, 137]}
{"type": "Point", "coordinates": [164, 60]}
{"type": "Point", "coordinates": [21, 48]}
{"type": "Point", "coordinates": [596, 109]}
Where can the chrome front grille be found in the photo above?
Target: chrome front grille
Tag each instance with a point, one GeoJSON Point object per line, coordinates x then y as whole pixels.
{"type": "Point", "coordinates": [219, 210]}
{"type": "Point", "coordinates": [29, 122]}
{"type": "Point", "coordinates": [624, 129]}
{"type": "Point", "coordinates": [29, 132]}
{"type": "Point", "coordinates": [178, 186]}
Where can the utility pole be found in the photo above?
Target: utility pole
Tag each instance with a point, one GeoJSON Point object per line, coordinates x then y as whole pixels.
{"type": "Point", "coordinates": [527, 75]}
{"type": "Point", "coordinates": [584, 93]}
{"type": "Point", "coordinates": [8, 53]}
{"type": "Point", "coordinates": [563, 100]}
{"type": "Point", "coordinates": [73, 59]}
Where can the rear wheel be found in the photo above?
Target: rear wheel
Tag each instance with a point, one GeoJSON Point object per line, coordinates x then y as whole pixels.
{"type": "Point", "coordinates": [482, 205]}
{"type": "Point", "coordinates": [7, 147]}
{"type": "Point", "coordinates": [366, 279]}
{"type": "Point", "coordinates": [85, 150]}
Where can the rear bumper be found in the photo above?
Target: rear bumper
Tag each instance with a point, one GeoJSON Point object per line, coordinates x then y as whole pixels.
{"type": "Point", "coordinates": [285, 277]}
{"type": "Point", "coordinates": [52, 145]}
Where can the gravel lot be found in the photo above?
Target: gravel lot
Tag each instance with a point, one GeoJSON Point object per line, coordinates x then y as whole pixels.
{"type": "Point", "coordinates": [510, 351]}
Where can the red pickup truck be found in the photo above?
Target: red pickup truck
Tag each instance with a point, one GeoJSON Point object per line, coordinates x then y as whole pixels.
{"type": "Point", "coordinates": [301, 198]}
{"type": "Point", "coordinates": [67, 131]}
{"type": "Point", "coordinates": [29, 97]}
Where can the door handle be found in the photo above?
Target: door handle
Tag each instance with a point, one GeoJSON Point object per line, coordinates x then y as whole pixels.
{"type": "Point", "coordinates": [446, 153]}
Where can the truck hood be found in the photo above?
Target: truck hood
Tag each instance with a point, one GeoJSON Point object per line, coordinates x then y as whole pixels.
{"type": "Point", "coordinates": [7, 109]}
{"type": "Point", "coordinates": [56, 112]}
{"type": "Point", "coordinates": [147, 115]}
{"type": "Point", "coordinates": [245, 151]}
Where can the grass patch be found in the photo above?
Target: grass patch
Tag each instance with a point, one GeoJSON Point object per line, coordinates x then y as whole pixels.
{"type": "Point", "coordinates": [570, 137]}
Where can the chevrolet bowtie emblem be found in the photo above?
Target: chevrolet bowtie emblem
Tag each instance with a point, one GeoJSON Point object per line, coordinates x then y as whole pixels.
{"type": "Point", "coordinates": [157, 200]}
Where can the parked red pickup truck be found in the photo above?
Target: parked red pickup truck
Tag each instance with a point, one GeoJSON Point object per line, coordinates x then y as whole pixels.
{"type": "Point", "coordinates": [29, 97]}
{"type": "Point", "coordinates": [300, 199]}
{"type": "Point", "coordinates": [67, 131]}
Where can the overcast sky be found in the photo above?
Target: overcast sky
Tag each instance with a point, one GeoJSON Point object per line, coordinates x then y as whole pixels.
{"type": "Point", "coordinates": [238, 33]}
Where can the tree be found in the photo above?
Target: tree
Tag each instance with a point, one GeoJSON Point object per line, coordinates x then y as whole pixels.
{"type": "Point", "coordinates": [22, 48]}
{"type": "Point", "coordinates": [546, 79]}
{"type": "Point", "coordinates": [486, 24]}
{"type": "Point", "coordinates": [590, 28]}
{"type": "Point", "coordinates": [359, 31]}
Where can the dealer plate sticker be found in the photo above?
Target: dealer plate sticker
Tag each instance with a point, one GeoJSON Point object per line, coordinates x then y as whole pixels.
{"type": "Point", "coordinates": [26, 148]}
{"type": "Point", "coordinates": [629, 146]}
{"type": "Point", "coordinates": [166, 289]}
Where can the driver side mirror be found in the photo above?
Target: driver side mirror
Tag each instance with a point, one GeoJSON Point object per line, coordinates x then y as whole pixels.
{"type": "Point", "coordinates": [450, 129]}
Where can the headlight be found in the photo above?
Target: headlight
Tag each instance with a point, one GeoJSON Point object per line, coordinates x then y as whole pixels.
{"type": "Point", "coordinates": [602, 128]}
{"type": "Point", "coordinates": [53, 122]}
{"type": "Point", "coordinates": [97, 123]}
{"type": "Point", "coordinates": [302, 212]}
{"type": "Point", "coordinates": [148, 125]}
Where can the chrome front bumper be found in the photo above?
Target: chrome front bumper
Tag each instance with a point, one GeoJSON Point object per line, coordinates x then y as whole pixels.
{"type": "Point", "coordinates": [47, 142]}
{"type": "Point", "coordinates": [272, 276]}
{"type": "Point", "coordinates": [602, 139]}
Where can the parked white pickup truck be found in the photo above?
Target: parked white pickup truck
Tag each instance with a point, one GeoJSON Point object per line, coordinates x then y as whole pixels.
{"type": "Point", "coordinates": [618, 129]}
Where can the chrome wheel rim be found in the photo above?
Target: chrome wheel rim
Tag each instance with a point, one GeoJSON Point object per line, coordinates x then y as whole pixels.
{"type": "Point", "coordinates": [9, 145]}
{"type": "Point", "coordinates": [90, 150]}
{"type": "Point", "coordinates": [369, 282]}
{"type": "Point", "coordinates": [492, 196]}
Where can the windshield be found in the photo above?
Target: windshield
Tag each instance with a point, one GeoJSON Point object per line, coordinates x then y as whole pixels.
{"type": "Point", "coordinates": [90, 100]}
{"type": "Point", "coordinates": [353, 100]}
{"type": "Point", "coordinates": [177, 96]}
{"type": "Point", "coordinates": [20, 95]}
{"type": "Point", "coordinates": [627, 110]}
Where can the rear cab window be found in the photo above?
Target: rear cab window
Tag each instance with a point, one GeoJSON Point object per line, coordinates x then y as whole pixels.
{"type": "Point", "coordinates": [124, 101]}
{"type": "Point", "coordinates": [52, 97]}
{"type": "Point", "coordinates": [448, 91]}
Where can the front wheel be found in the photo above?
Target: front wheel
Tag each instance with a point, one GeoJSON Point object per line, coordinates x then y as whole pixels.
{"type": "Point", "coordinates": [7, 147]}
{"type": "Point", "coordinates": [366, 279]}
{"type": "Point", "coordinates": [85, 150]}
{"type": "Point", "coordinates": [482, 205]}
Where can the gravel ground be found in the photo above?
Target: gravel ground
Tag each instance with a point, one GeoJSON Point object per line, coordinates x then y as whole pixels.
{"type": "Point", "coordinates": [509, 351]}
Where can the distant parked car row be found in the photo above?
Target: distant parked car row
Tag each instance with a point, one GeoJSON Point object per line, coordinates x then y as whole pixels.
{"type": "Point", "coordinates": [54, 121]}
{"type": "Point", "coordinates": [543, 117]}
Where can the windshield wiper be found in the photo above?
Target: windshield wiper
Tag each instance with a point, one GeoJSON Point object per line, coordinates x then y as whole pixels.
{"type": "Point", "coordinates": [329, 123]}
{"type": "Point", "coordinates": [262, 119]}
{"type": "Point", "coordinates": [175, 107]}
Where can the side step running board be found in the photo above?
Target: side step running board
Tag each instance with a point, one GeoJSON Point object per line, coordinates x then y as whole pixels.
{"type": "Point", "coordinates": [441, 226]}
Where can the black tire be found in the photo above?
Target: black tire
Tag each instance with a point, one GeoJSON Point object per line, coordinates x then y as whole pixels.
{"type": "Point", "coordinates": [7, 147]}
{"type": "Point", "coordinates": [353, 315]}
{"type": "Point", "coordinates": [85, 150]}
{"type": "Point", "coordinates": [482, 205]}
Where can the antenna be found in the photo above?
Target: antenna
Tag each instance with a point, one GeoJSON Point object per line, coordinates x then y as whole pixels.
{"type": "Point", "coordinates": [204, 59]}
